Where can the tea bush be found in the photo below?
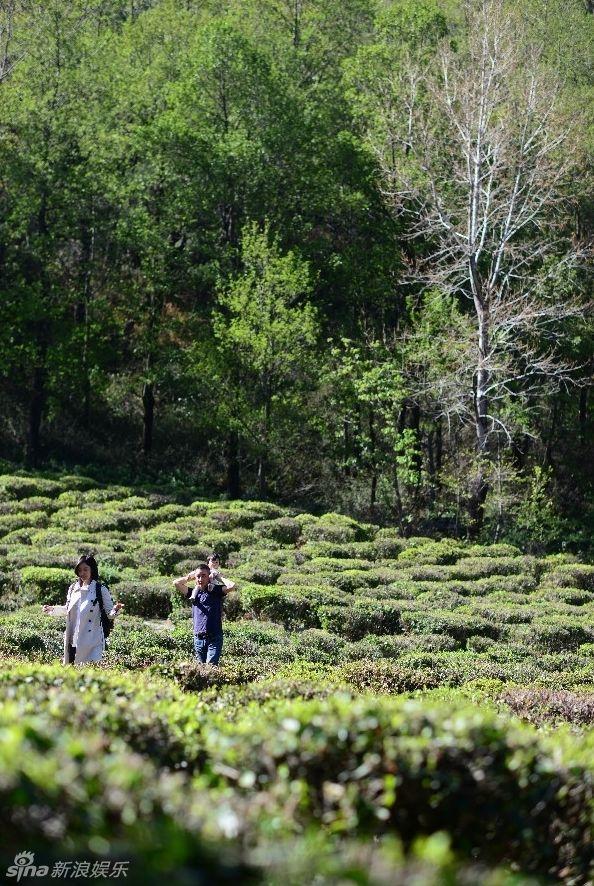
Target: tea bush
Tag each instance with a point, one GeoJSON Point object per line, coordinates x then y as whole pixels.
{"type": "Point", "coordinates": [147, 599]}
{"type": "Point", "coordinates": [49, 585]}
{"type": "Point", "coordinates": [52, 779]}
{"type": "Point", "coordinates": [415, 768]}
{"type": "Point", "coordinates": [284, 530]}
{"type": "Point", "coordinates": [289, 607]}
{"type": "Point", "coordinates": [354, 622]}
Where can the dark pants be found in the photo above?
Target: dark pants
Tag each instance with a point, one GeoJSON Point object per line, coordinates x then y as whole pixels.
{"type": "Point", "coordinates": [71, 654]}
{"type": "Point", "coordinates": [208, 649]}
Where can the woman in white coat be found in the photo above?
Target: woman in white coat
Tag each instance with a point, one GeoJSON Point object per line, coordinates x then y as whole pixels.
{"type": "Point", "coordinates": [84, 639]}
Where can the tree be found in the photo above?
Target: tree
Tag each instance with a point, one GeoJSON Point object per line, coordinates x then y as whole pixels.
{"type": "Point", "coordinates": [266, 332]}
{"type": "Point", "coordinates": [476, 153]}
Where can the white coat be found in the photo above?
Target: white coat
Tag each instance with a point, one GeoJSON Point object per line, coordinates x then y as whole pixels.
{"type": "Point", "coordinates": [91, 641]}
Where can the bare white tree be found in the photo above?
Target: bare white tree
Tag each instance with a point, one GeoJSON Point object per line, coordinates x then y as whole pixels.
{"type": "Point", "coordinates": [8, 13]}
{"type": "Point", "coordinates": [476, 152]}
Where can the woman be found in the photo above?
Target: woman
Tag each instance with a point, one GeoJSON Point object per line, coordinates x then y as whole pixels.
{"type": "Point", "coordinates": [84, 639]}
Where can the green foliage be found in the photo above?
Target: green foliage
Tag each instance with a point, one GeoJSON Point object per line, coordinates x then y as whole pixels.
{"type": "Point", "coordinates": [355, 621]}
{"type": "Point", "coordinates": [284, 530]}
{"type": "Point", "coordinates": [49, 585]}
{"type": "Point", "coordinates": [290, 607]}
{"type": "Point", "coordinates": [299, 728]}
{"type": "Point", "coordinates": [357, 746]}
{"type": "Point", "coordinates": [149, 600]}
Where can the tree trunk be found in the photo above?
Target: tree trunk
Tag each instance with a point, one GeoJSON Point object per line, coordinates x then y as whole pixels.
{"type": "Point", "coordinates": [548, 459]}
{"type": "Point", "coordinates": [148, 417]}
{"type": "Point", "coordinates": [438, 448]}
{"type": "Point", "coordinates": [233, 473]}
{"type": "Point", "coordinates": [479, 486]}
{"type": "Point", "coordinates": [262, 460]}
{"type": "Point", "coordinates": [398, 503]}
{"type": "Point", "coordinates": [346, 448]}
{"type": "Point", "coordinates": [583, 414]}
{"type": "Point", "coordinates": [372, 441]}
{"type": "Point", "coordinates": [36, 406]}
{"type": "Point", "coordinates": [415, 425]}
{"type": "Point", "coordinates": [476, 503]}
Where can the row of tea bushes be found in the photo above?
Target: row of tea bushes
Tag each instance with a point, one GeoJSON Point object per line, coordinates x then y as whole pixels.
{"type": "Point", "coordinates": [275, 766]}
{"type": "Point", "coordinates": [254, 651]}
{"type": "Point", "coordinates": [469, 610]}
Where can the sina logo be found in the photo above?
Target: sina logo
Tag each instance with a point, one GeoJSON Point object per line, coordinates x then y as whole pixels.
{"type": "Point", "coordinates": [23, 867]}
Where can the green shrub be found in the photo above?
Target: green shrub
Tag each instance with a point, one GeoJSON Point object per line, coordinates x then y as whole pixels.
{"type": "Point", "coordinates": [490, 551]}
{"type": "Point", "coordinates": [356, 621]}
{"type": "Point", "coordinates": [138, 646]}
{"type": "Point", "coordinates": [439, 598]}
{"type": "Point", "coordinates": [427, 573]}
{"type": "Point", "coordinates": [350, 580]}
{"type": "Point", "coordinates": [435, 553]}
{"type": "Point", "coordinates": [137, 813]}
{"type": "Point", "coordinates": [265, 510]}
{"type": "Point", "coordinates": [334, 528]}
{"type": "Point", "coordinates": [387, 677]}
{"type": "Point", "coordinates": [318, 646]}
{"type": "Point", "coordinates": [169, 513]}
{"type": "Point", "coordinates": [363, 551]}
{"type": "Point", "coordinates": [161, 558]}
{"type": "Point", "coordinates": [506, 614]}
{"type": "Point", "coordinates": [25, 506]}
{"type": "Point", "coordinates": [332, 565]}
{"type": "Point", "coordinates": [290, 607]}
{"type": "Point", "coordinates": [558, 634]}
{"type": "Point", "coordinates": [406, 589]}
{"type": "Point", "coordinates": [545, 706]}
{"type": "Point", "coordinates": [263, 633]}
{"type": "Point", "coordinates": [146, 599]}
{"type": "Point", "coordinates": [21, 641]}
{"type": "Point", "coordinates": [22, 536]}
{"type": "Point", "coordinates": [196, 677]}
{"type": "Point", "coordinates": [232, 699]}
{"type": "Point", "coordinates": [572, 575]}
{"type": "Point", "coordinates": [284, 530]}
{"type": "Point", "coordinates": [17, 487]}
{"type": "Point", "coordinates": [86, 520]}
{"type": "Point", "coordinates": [458, 625]}
{"type": "Point", "coordinates": [17, 521]}
{"type": "Point", "coordinates": [473, 568]}
{"type": "Point", "coordinates": [379, 764]}
{"type": "Point", "coordinates": [266, 574]}
{"type": "Point", "coordinates": [49, 585]}
{"type": "Point", "coordinates": [225, 542]}
{"type": "Point", "coordinates": [305, 580]}
{"type": "Point", "coordinates": [150, 716]}
{"type": "Point", "coordinates": [513, 584]}
{"type": "Point", "coordinates": [386, 575]}
{"type": "Point", "coordinates": [571, 596]}
{"type": "Point", "coordinates": [173, 534]}
{"type": "Point", "coordinates": [394, 646]}
{"type": "Point", "coordinates": [388, 544]}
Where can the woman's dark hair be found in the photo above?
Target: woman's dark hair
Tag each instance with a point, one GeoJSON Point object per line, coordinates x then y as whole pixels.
{"type": "Point", "coordinates": [91, 563]}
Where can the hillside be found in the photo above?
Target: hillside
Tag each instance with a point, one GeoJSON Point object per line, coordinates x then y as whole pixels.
{"type": "Point", "coordinates": [370, 686]}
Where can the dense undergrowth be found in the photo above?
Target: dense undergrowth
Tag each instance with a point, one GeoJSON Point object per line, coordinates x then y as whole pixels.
{"type": "Point", "coordinates": [386, 710]}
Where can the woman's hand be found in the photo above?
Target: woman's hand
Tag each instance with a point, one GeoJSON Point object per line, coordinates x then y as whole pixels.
{"type": "Point", "coordinates": [48, 609]}
{"type": "Point", "coordinates": [117, 608]}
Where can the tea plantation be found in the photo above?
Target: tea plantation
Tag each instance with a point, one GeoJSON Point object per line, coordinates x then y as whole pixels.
{"type": "Point", "coordinates": [386, 711]}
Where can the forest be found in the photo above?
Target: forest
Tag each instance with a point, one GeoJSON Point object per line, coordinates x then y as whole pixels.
{"type": "Point", "coordinates": [330, 253]}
